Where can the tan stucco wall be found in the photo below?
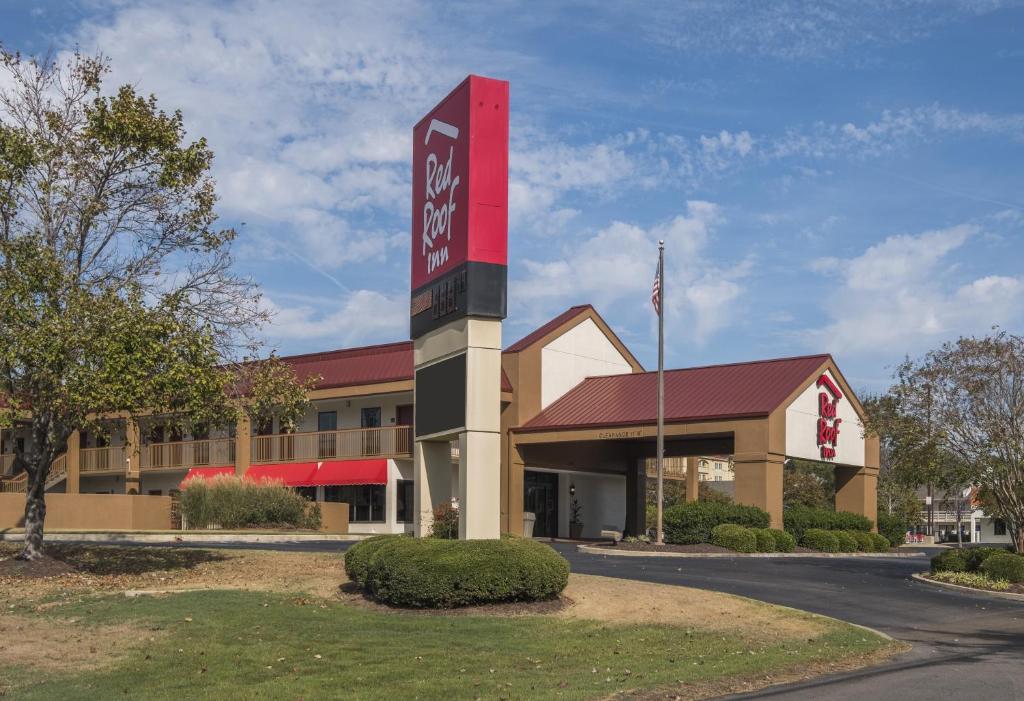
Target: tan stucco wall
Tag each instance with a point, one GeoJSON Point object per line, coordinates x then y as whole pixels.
{"type": "Point", "coordinates": [92, 512]}
{"type": "Point", "coordinates": [333, 517]}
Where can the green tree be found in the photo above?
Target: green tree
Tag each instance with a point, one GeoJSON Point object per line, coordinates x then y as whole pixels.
{"type": "Point", "coordinates": [116, 289]}
{"type": "Point", "coordinates": [800, 486]}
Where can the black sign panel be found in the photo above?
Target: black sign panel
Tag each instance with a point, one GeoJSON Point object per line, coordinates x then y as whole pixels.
{"type": "Point", "coordinates": [441, 396]}
{"type": "Point", "coordinates": [472, 289]}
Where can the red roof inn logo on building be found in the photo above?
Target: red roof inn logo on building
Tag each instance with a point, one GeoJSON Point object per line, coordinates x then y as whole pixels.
{"type": "Point", "coordinates": [440, 186]}
{"type": "Point", "coordinates": [828, 422]}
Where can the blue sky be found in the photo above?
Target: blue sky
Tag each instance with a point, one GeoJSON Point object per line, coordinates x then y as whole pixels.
{"type": "Point", "coordinates": [842, 177]}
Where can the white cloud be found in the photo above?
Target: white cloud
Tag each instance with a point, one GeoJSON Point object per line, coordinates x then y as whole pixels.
{"type": "Point", "coordinates": [904, 295]}
{"type": "Point", "coordinates": [363, 316]}
{"type": "Point", "coordinates": [616, 265]}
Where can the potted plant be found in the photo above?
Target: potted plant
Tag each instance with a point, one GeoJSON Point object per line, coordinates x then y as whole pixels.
{"type": "Point", "coordinates": [575, 524]}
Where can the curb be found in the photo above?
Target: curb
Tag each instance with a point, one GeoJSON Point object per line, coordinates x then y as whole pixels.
{"type": "Point", "coordinates": [168, 538]}
{"type": "Point", "coordinates": [639, 553]}
{"type": "Point", "coordinates": [958, 587]}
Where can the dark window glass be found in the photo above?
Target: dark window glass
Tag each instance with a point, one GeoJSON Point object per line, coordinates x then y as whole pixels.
{"type": "Point", "coordinates": [369, 417]}
{"type": "Point", "coordinates": [999, 527]}
{"type": "Point", "coordinates": [327, 421]}
{"type": "Point", "coordinates": [308, 492]}
{"type": "Point", "coordinates": [404, 501]}
{"type": "Point", "coordinates": [365, 501]}
{"type": "Point", "coordinates": [155, 493]}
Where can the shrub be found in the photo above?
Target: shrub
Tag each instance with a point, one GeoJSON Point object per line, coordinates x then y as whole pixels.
{"type": "Point", "coordinates": [690, 523]}
{"type": "Point", "coordinates": [784, 542]}
{"type": "Point", "coordinates": [357, 557]}
{"type": "Point", "coordinates": [971, 579]}
{"type": "Point", "coordinates": [798, 519]}
{"type": "Point", "coordinates": [950, 561]}
{"type": "Point", "coordinates": [437, 573]}
{"type": "Point", "coordinates": [446, 522]}
{"type": "Point", "coordinates": [847, 543]}
{"type": "Point", "coordinates": [1004, 565]}
{"type": "Point", "coordinates": [765, 540]}
{"type": "Point", "coordinates": [865, 544]}
{"type": "Point", "coordinates": [894, 528]}
{"type": "Point", "coordinates": [880, 542]}
{"type": "Point", "coordinates": [976, 556]}
{"type": "Point", "coordinates": [231, 502]}
{"type": "Point", "coordinates": [821, 540]}
{"type": "Point", "coordinates": [734, 537]}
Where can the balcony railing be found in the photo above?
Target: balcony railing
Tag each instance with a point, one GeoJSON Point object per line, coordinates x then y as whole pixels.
{"type": "Point", "coordinates": [185, 454]}
{"type": "Point", "coordinates": [58, 469]}
{"type": "Point", "coordinates": [674, 467]}
{"type": "Point", "coordinates": [389, 441]}
{"type": "Point", "coordinates": [109, 459]}
{"type": "Point", "coordinates": [15, 484]}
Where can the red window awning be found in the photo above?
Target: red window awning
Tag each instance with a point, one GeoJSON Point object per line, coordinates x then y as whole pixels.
{"type": "Point", "coordinates": [207, 473]}
{"type": "Point", "coordinates": [338, 472]}
{"type": "Point", "coordinates": [293, 474]}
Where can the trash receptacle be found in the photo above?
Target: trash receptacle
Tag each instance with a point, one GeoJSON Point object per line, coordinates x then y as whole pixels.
{"type": "Point", "coordinates": [529, 519]}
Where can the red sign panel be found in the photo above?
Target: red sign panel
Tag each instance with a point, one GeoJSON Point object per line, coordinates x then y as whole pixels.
{"type": "Point", "coordinates": [460, 181]}
{"type": "Point", "coordinates": [828, 420]}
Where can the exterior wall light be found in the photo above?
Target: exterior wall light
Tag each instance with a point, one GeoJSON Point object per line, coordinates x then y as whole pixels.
{"type": "Point", "coordinates": [572, 489]}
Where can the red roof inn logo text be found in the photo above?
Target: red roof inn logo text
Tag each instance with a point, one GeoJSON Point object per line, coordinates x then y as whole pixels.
{"type": "Point", "coordinates": [828, 422]}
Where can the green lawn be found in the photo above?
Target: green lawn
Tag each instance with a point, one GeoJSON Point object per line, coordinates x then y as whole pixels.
{"type": "Point", "coordinates": [227, 645]}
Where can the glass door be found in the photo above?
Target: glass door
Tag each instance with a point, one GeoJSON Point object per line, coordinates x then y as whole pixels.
{"type": "Point", "coordinates": [541, 497]}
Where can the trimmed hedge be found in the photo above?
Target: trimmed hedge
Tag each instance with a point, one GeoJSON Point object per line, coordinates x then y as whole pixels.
{"type": "Point", "coordinates": [784, 542]}
{"type": "Point", "coordinates": [880, 542]}
{"type": "Point", "coordinates": [1004, 565]}
{"type": "Point", "coordinates": [734, 537]}
{"type": "Point", "coordinates": [691, 523]}
{"type": "Point", "coordinates": [232, 502]}
{"type": "Point", "coordinates": [847, 543]}
{"type": "Point", "coordinates": [865, 543]}
{"type": "Point", "coordinates": [950, 561]}
{"type": "Point", "coordinates": [436, 573]}
{"type": "Point", "coordinates": [765, 540]}
{"type": "Point", "coordinates": [894, 528]}
{"type": "Point", "coordinates": [821, 540]}
{"type": "Point", "coordinates": [976, 556]}
{"type": "Point", "coordinates": [798, 519]}
{"type": "Point", "coordinates": [357, 557]}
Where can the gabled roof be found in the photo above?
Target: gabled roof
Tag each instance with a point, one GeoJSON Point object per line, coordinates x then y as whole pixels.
{"type": "Point", "coordinates": [542, 331]}
{"type": "Point", "coordinates": [735, 390]}
{"type": "Point", "coordinates": [367, 365]}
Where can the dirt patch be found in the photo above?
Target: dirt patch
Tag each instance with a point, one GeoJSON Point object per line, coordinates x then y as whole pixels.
{"type": "Point", "coordinates": [624, 602]}
{"type": "Point", "coordinates": [44, 566]}
{"type": "Point", "coordinates": [65, 645]}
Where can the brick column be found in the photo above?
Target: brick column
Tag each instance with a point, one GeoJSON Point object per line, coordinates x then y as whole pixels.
{"type": "Point", "coordinates": [133, 450]}
{"type": "Point", "coordinates": [692, 479]}
{"type": "Point", "coordinates": [636, 498]}
{"type": "Point", "coordinates": [857, 491]}
{"type": "Point", "coordinates": [243, 444]}
{"type": "Point", "coordinates": [73, 463]}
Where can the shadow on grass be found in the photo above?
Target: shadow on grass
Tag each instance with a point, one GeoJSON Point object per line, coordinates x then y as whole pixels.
{"type": "Point", "coordinates": [119, 560]}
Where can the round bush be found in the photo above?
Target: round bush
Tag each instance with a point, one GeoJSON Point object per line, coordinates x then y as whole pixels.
{"type": "Point", "coordinates": [435, 573]}
{"type": "Point", "coordinates": [765, 540]}
{"type": "Point", "coordinates": [865, 544]}
{"type": "Point", "coordinates": [975, 557]}
{"type": "Point", "coordinates": [847, 543]}
{"type": "Point", "coordinates": [950, 561]}
{"type": "Point", "coordinates": [880, 544]}
{"type": "Point", "coordinates": [821, 540]}
{"type": "Point", "coordinates": [784, 542]}
{"type": "Point", "coordinates": [734, 537]}
{"type": "Point", "coordinates": [1006, 566]}
{"type": "Point", "coordinates": [691, 523]}
{"type": "Point", "coordinates": [357, 557]}
{"type": "Point", "coordinates": [894, 528]}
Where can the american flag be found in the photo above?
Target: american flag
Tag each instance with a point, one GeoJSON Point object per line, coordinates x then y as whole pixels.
{"type": "Point", "coordinates": [656, 291]}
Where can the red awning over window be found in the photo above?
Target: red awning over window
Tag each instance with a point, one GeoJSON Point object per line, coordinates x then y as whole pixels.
{"type": "Point", "coordinates": [334, 472]}
{"type": "Point", "coordinates": [207, 473]}
{"type": "Point", "coordinates": [293, 474]}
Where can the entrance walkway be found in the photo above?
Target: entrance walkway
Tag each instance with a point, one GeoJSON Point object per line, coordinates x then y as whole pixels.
{"type": "Point", "coordinates": [965, 645]}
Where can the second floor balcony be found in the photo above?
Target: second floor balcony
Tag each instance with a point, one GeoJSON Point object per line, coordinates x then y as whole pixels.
{"type": "Point", "coordinates": [384, 442]}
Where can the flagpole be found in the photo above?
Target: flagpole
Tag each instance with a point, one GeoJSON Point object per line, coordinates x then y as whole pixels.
{"type": "Point", "coordinates": [661, 391]}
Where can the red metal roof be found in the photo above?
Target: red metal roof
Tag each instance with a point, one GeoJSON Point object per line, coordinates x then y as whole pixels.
{"type": "Point", "coordinates": [536, 335]}
{"type": "Point", "coordinates": [389, 362]}
{"type": "Point", "coordinates": [691, 394]}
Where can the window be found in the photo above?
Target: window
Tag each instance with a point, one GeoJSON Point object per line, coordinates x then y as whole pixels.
{"type": "Point", "coordinates": [308, 492]}
{"type": "Point", "coordinates": [327, 442]}
{"type": "Point", "coordinates": [999, 527]}
{"type": "Point", "coordinates": [405, 501]}
{"type": "Point", "coordinates": [365, 501]}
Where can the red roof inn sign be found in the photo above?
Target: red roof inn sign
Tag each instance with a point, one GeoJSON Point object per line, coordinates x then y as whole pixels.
{"type": "Point", "coordinates": [828, 417]}
{"type": "Point", "coordinates": [460, 207]}
{"type": "Point", "coordinates": [822, 424]}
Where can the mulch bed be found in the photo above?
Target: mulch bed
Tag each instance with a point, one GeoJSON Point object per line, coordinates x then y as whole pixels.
{"type": "Point", "coordinates": [45, 566]}
{"type": "Point", "coordinates": [351, 594]}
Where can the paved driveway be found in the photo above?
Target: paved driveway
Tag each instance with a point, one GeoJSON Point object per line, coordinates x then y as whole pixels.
{"type": "Point", "coordinates": [965, 646]}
